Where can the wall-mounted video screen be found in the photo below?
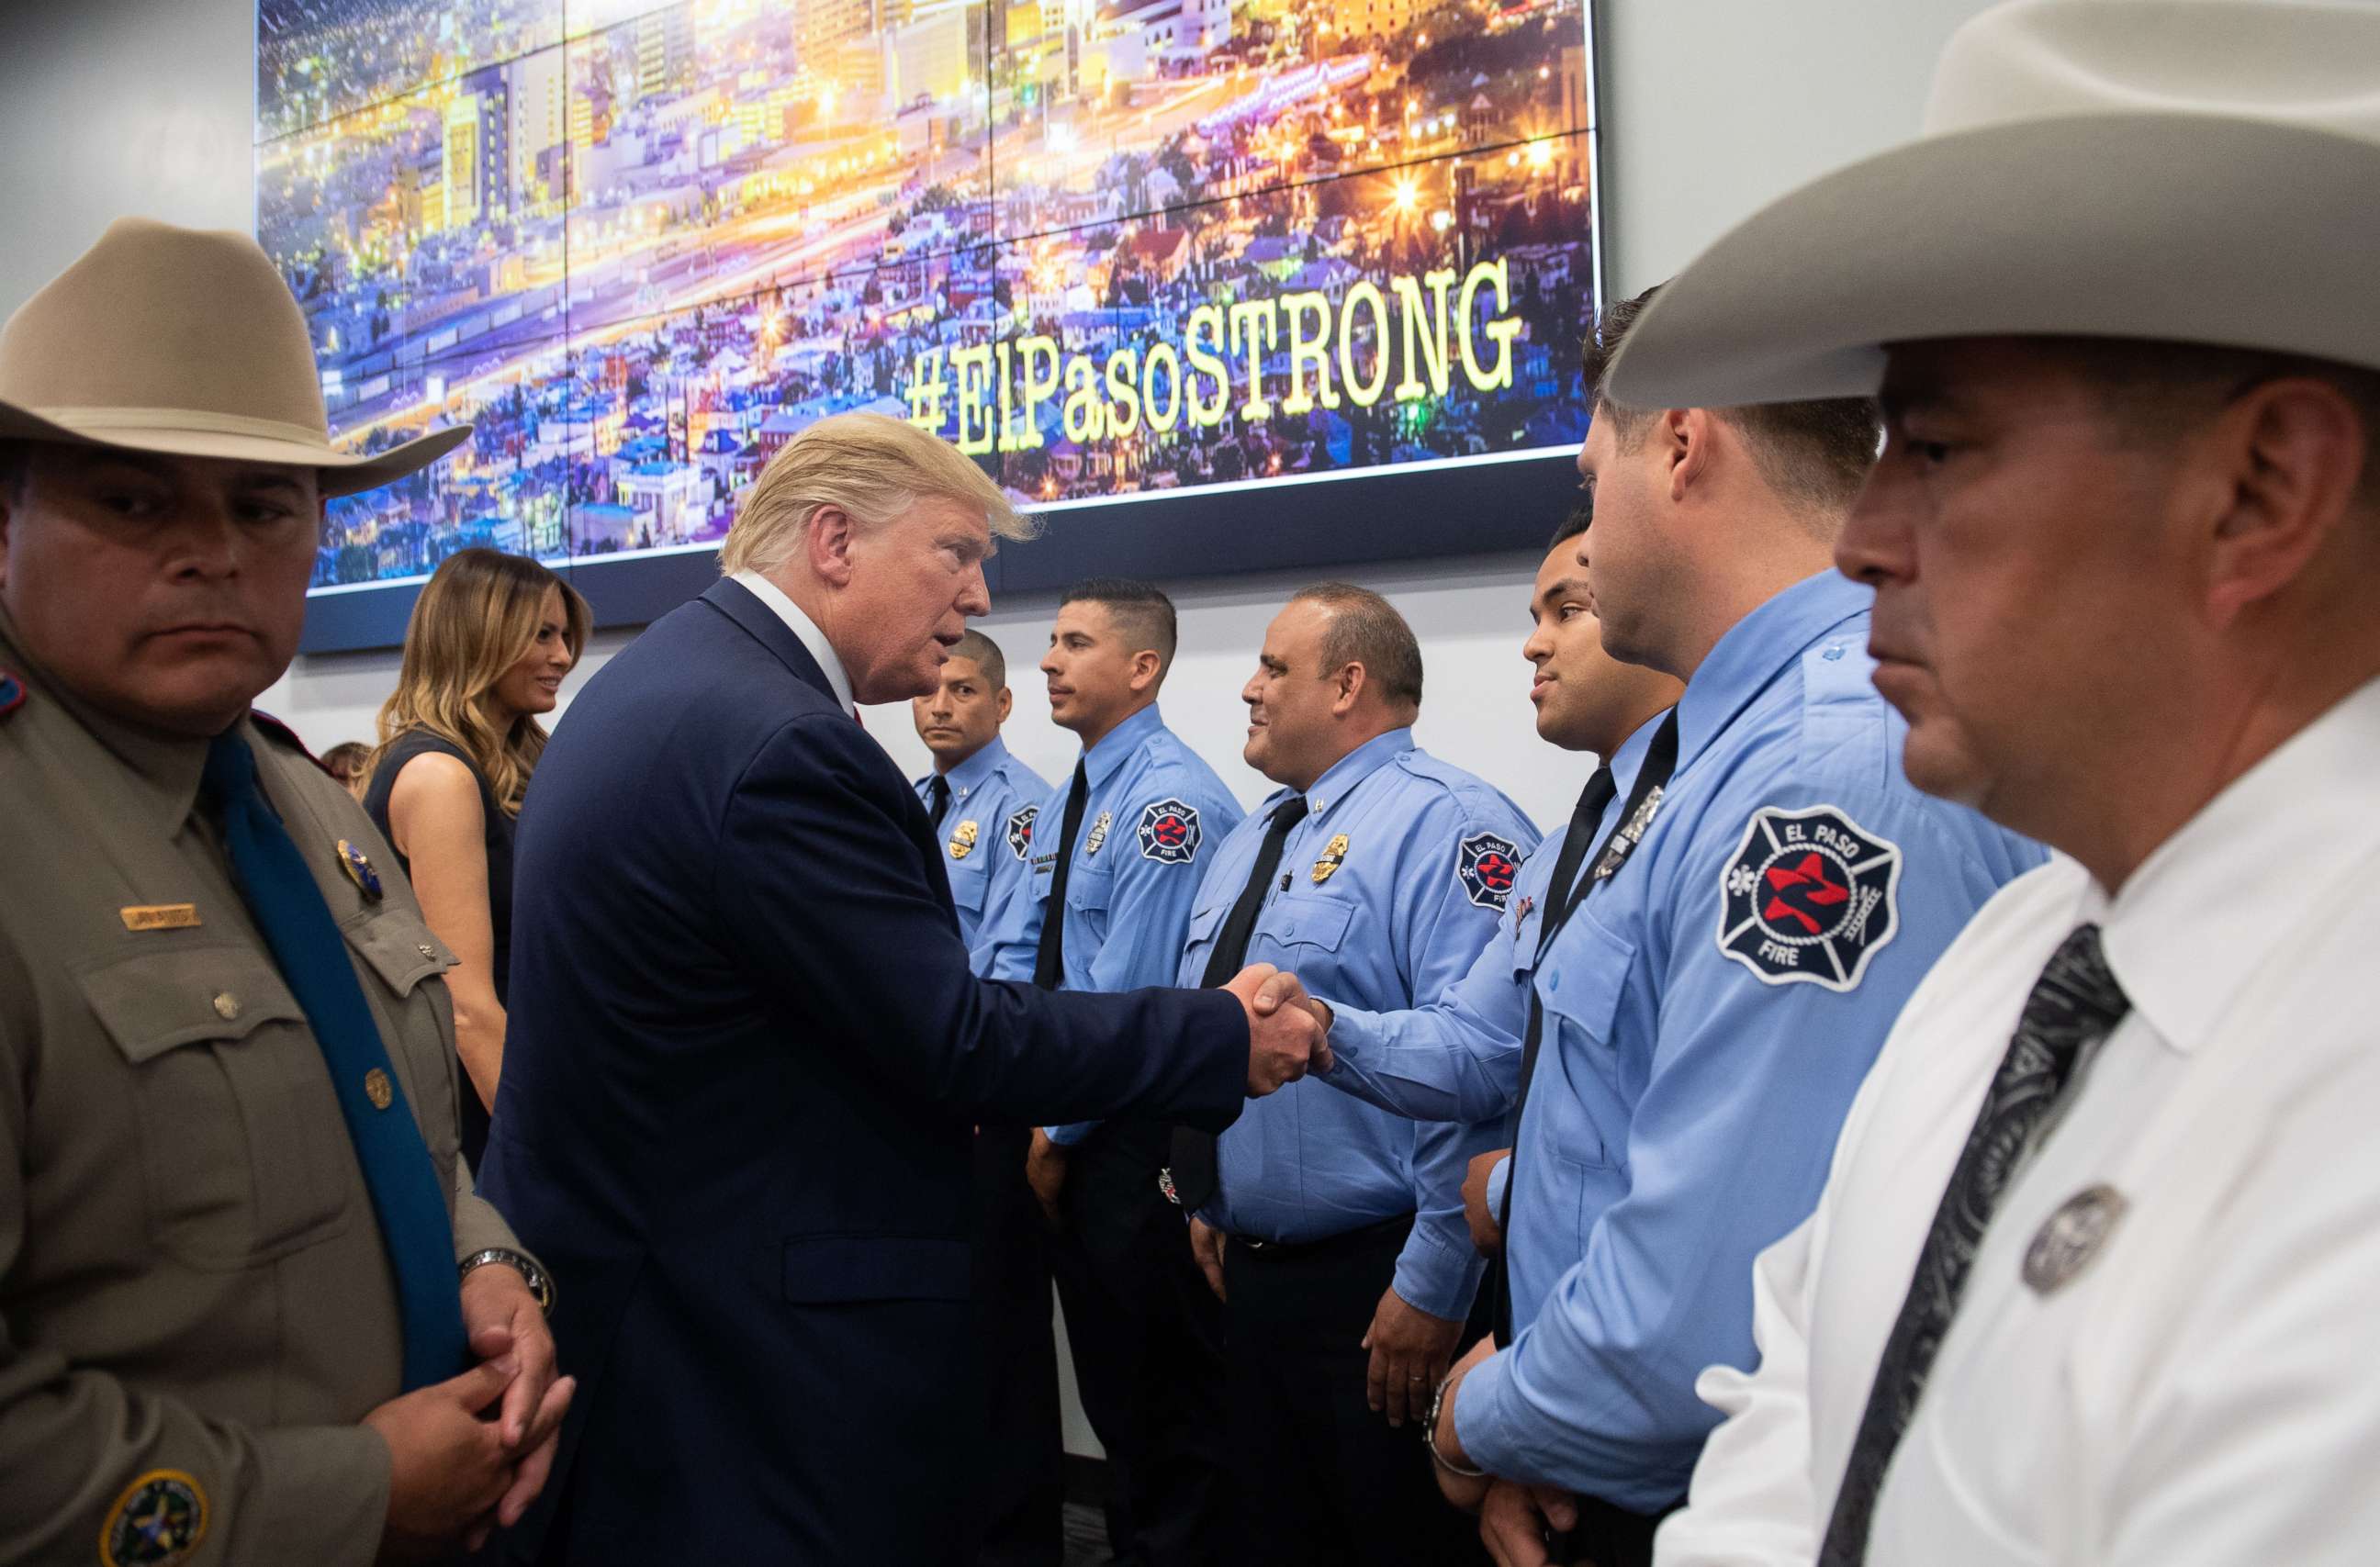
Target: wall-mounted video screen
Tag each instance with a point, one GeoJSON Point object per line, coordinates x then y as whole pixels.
{"type": "Point", "coordinates": [1210, 285]}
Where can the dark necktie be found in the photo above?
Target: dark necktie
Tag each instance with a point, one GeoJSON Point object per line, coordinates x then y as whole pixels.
{"type": "Point", "coordinates": [313, 957]}
{"type": "Point", "coordinates": [1049, 958]}
{"type": "Point", "coordinates": [2075, 1003]}
{"type": "Point", "coordinates": [940, 791]}
{"type": "Point", "coordinates": [1565, 892]}
{"type": "Point", "coordinates": [1193, 1164]}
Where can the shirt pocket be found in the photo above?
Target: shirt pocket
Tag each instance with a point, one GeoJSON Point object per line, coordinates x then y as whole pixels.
{"type": "Point", "coordinates": [970, 879]}
{"type": "Point", "coordinates": [1579, 987]}
{"type": "Point", "coordinates": [1198, 945]}
{"type": "Point", "coordinates": [400, 949]}
{"type": "Point", "coordinates": [243, 1152]}
{"type": "Point", "coordinates": [1090, 894]}
{"type": "Point", "coordinates": [1314, 924]}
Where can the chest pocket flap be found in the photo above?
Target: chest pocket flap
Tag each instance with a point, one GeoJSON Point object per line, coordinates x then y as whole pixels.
{"type": "Point", "coordinates": [399, 948]}
{"type": "Point", "coordinates": [1583, 976]}
{"type": "Point", "coordinates": [153, 1001]}
{"type": "Point", "coordinates": [1310, 922]}
{"type": "Point", "coordinates": [969, 879]}
{"type": "Point", "coordinates": [1091, 884]}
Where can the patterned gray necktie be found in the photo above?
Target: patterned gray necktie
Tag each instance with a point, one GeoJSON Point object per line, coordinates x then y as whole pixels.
{"type": "Point", "coordinates": [2075, 1003]}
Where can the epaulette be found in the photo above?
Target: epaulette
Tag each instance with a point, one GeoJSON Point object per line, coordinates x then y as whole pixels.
{"type": "Point", "coordinates": [286, 735]}
{"type": "Point", "coordinates": [12, 693]}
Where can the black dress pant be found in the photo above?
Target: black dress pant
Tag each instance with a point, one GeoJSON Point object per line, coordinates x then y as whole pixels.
{"type": "Point", "coordinates": [1147, 1339]}
{"type": "Point", "coordinates": [1322, 1480]}
{"type": "Point", "coordinates": [1020, 1482]}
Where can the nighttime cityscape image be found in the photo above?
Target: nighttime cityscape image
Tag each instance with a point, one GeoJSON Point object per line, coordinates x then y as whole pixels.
{"type": "Point", "coordinates": [1107, 246]}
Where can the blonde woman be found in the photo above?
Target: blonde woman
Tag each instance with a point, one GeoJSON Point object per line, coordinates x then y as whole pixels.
{"type": "Point", "coordinates": [491, 636]}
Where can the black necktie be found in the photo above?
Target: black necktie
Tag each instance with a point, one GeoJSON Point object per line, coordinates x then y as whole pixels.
{"type": "Point", "coordinates": [1050, 959]}
{"type": "Point", "coordinates": [1192, 1163]}
{"type": "Point", "coordinates": [1661, 762]}
{"type": "Point", "coordinates": [940, 791]}
{"type": "Point", "coordinates": [2075, 1003]}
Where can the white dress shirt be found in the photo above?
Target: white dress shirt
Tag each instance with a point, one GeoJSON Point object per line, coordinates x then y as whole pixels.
{"type": "Point", "coordinates": [2203, 1392]}
{"type": "Point", "coordinates": [807, 629]}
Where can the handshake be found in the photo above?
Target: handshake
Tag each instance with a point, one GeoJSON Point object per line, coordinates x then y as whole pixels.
{"type": "Point", "coordinates": [1289, 1031]}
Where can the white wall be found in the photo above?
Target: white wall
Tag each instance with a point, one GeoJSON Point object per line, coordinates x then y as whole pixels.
{"type": "Point", "coordinates": [1710, 107]}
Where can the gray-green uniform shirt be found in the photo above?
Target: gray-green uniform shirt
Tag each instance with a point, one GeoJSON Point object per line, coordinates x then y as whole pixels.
{"type": "Point", "coordinates": [195, 1306]}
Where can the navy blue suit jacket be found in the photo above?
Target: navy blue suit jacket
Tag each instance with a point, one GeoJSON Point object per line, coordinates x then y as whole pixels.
{"type": "Point", "coordinates": [743, 1060]}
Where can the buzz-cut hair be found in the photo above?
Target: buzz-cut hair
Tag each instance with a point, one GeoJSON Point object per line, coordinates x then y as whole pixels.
{"type": "Point", "coordinates": [1142, 615]}
{"type": "Point", "coordinates": [1366, 629]}
{"type": "Point", "coordinates": [1816, 455]}
{"type": "Point", "coordinates": [987, 655]}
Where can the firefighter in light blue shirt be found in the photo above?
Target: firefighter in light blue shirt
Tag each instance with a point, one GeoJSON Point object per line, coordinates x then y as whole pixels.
{"type": "Point", "coordinates": [980, 797]}
{"type": "Point", "coordinates": [1334, 1230]}
{"type": "Point", "coordinates": [981, 800]}
{"type": "Point", "coordinates": [1708, 1011]}
{"type": "Point", "coordinates": [1117, 852]}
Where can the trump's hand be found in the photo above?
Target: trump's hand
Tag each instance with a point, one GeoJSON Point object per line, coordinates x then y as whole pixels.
{"type": "Point", "coordinates": [1486, 1233]}
{"type": "Point", "coordinates": [1207, 1245]}
{"type": "Point", "coordinates": [1045, 1171]}
{"type": "Point", "coordinates": [1514, 1520]}
{"type": "Point", "coordinates": [1284, 1038]}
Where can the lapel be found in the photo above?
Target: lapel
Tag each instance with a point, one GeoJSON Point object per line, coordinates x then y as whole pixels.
{"type": "Point", "coordinates": [743, 607]}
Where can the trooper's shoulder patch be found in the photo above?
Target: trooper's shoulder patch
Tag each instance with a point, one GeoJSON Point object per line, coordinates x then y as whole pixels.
{"type": "Point", "coordinates": [1808, 896]}
{"type": "Point", "coordinates": [1020, 831]}
{"type": "Point", "coordinates": [1169, 832]}
{"type": "Point", "coordinates": [158, 1521]}
{"type": "Point", "coordinates": [1486, 866]}
{"type": "Point", "coordinates": [12, 693]}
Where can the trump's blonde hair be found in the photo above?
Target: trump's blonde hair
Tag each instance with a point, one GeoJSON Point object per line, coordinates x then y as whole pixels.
{"type": "Point", "coordinates": [475, 620]}
{"type": "Point", "coordinates": [867, 466]}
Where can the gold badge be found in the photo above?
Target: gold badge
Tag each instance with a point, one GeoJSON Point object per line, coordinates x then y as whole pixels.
{"type": "Point", "coordinates": [359, 867]}
{"type": "Point", "coordinates": [158, 916]}
{"type": "Point", "coordinates": [1100, 833]}
{"type": "Point", "coordinates": [158, 1521]}
{"type": "Point", "coordinates": [962, 840]}
{"type": "Point", "coordinates": [2071, 1238]}
{"type": "Point", "coordinates": [1334, 854]}
{"type": "Point", "coordinates": [379, 1089]}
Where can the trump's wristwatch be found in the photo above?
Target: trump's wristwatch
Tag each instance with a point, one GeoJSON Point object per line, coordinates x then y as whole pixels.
{"type": "Point", "coordinates": [539, 1285]}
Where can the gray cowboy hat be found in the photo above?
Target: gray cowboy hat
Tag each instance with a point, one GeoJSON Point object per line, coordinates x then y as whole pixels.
{"type": "Point", "coordinates": [175, 340]}
{"type": "Point", "coordinates": [2190, 171]}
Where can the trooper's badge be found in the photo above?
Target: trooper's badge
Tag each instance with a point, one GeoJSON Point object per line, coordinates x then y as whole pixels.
{"type": "Point", "coordinates": [1020, 831]}
{"type": "Point", "coordinates": [1486, 866]}
{"type": "Point", "coordinates": [1334, 854]}
{"type": "Point", "coordinates": [12, 693]}
{"type": "Point", "coordinates": [159, 1520]}
{"type": "Point", "coordinates": [1169, 832]}
{"type": "Point", "coordinates": [1099, 835]}
{"type": "Point", "coordinates": [962, 840]}
{"type": "Point", "coordinates": [359, 867]}
{"type": "Point", "coordinates": [2071, 1237]}
{"type": "Point", "coordinates": [1809, 895]}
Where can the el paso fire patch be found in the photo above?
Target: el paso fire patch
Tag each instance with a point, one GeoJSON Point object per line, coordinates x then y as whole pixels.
{"type": "Point", "coordinates": [1809, 895]}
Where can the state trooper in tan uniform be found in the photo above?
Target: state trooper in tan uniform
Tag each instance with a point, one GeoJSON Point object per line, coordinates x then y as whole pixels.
{"type": "Point", "coordinates": [214, 1345]}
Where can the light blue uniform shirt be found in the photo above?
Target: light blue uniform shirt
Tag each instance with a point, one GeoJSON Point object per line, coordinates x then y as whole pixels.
{"type": "Point", "coordinates": [1708, 1016]}
{"type": "Point", "coordinates": [987, 835]}
{"type": "Point", "coordinates": [1387, 891]}
{"type": "Point", "coordinates": [1151, 819]}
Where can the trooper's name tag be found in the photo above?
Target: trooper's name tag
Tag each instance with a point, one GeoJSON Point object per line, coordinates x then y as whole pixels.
{"type": "Point", "coordinates": [158, 916]}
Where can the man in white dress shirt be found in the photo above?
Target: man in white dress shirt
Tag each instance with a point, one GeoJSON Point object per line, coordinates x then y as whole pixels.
{"type": "Point", "coordinates": [2094, 1278]}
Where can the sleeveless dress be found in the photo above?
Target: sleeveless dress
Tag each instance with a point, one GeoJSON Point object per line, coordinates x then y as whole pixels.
{"type": "Point", "coordinates": [411, 744]}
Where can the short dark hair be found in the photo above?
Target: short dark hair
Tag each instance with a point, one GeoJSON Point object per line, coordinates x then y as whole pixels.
{"type": "Point", "coordinates": [1581, 518]}
{"type": "Point", "coordinates": [987, 655]}
{"type": "Point", "coordinates": [1814, 454]}
{"type": "Point", "coordinates": [1140, 609]}
{"type": "Point", "coordinates": [1367, 629]}
{"type": "Point", "coordinates": [2157, 390]}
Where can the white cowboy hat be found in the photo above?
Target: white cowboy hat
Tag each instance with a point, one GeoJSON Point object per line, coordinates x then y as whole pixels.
{"type": "Point", "coordinates": [165, 339]}
{"type": "Point", "coordinates": [2192, 171]}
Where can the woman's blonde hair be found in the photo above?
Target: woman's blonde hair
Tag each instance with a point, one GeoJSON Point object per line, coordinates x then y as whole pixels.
{"type": "Point", "coordinates": [870, 465]}
{"type": "Point", "coordinates": [477, 618]}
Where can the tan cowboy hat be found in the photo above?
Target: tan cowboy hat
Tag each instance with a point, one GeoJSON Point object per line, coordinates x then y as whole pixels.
{"type": "Point", "coordinates": [165, 339]}
{"type": "Point", "coordinates": [2192, 171]}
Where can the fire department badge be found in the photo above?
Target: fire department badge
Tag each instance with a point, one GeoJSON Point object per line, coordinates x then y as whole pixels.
{"type": "Point", "coordinates": [1169, 832]}
{"type": "Point", "coordinates": [1809, 895]}
{"type": "Point", "coordinates": [963, 841]}
{"type": "Point", "coordinates": [1486, 866]}
{"type": "Point", "coordinates": [1020, 831]}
